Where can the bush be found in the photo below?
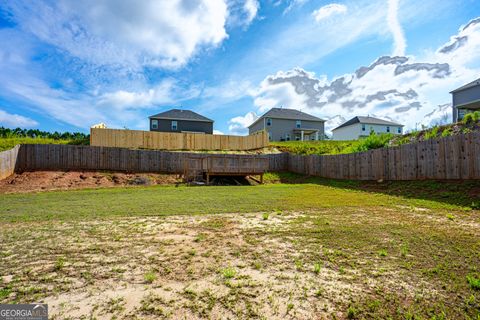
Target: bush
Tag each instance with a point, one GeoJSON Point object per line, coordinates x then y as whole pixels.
{"type": "Point", "coordinates": [373, 141]}
{"type": "Point", "coordinates": [471, 117]}
{"type": "Point", "coordinates": [431, 134]}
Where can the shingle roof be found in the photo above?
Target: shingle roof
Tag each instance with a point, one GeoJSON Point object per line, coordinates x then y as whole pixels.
{"type": "Point", "coordinates": [367, 120]}
{"type": "Point", "coordinates": [281, 113]}
{"type": "Point", "coordinates": [467, 86]}
{"type": "Point", "coordinates": [179, 114]}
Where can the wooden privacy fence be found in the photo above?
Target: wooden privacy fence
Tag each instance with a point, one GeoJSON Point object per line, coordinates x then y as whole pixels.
{"type": "Point", "coordinates": [455, 157]}
{"type": "Point", "coordinates": [175, 141]}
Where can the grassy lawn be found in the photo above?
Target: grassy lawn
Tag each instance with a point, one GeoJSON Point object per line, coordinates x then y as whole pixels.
{"type": "Point", "coordinates": [303, 248]}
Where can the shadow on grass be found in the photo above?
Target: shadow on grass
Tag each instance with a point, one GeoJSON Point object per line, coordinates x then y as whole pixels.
{"type": "Point", "coordinates": [454, 192]}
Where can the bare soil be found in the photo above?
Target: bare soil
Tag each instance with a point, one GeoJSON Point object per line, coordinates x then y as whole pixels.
{"type": "Point", "coordinates": [65, 180]}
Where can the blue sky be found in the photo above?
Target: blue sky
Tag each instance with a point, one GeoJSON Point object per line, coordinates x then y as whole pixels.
{"type": "Point", "coordinates": [66, 65]}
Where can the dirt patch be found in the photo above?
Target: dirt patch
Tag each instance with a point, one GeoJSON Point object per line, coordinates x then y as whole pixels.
{"type": "Point", "coordinates": [61, 180]}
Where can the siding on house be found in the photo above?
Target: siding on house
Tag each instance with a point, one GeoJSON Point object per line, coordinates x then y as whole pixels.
{"type": "Point", "coordinates": [186, 120]}
{"type": "Point", "coordinates": [355, 131]}
{"type": "Point", "coordinates": [283, 125]}
{"type": "Point", "coordinates": [360, 126]}
{"type": "Point", "coordinates": [165, 125]}
{"type": "Point", "coordinates": [465, 99]}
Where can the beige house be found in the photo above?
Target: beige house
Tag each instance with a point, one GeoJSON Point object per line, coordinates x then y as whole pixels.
{"type": "Point", "coordinates": [359, 127]}
{"type": "Point", "coordinates": [289, 125]}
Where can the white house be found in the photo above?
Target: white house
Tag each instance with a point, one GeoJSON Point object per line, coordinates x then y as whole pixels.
{"type": "Point", "coordinates": [359, 127]}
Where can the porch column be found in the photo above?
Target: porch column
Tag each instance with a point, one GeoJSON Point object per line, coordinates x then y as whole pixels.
{"type": "Point", "coordinates": [301, 135]}
{"type": "Point", "coordinates": [316, 136]}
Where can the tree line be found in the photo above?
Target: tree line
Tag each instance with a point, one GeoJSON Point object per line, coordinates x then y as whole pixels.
{"type": "Point", "coordinates": [35, 133]}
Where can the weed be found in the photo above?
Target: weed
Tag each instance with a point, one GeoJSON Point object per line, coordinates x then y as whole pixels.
{"type": "Point", "coordinates": [265, 216]}
{"type": "Point", "coordinates": [317, 268]}
{"type": "Point", "coordinates": [290, 307]}
{"type": "Point", "coordinates": [404, 250]}
{"type": "Point", "coordinates": [382, 253]}
{"type": "Point", "coordinates": [150, 277]}
{"type": "Point", "coordinates": [228, 273]}
{"type": "Point", "coordinates": [450, 216]}
{"type": "Point", "coordinates": [352, 312]}
{"type": "Point", "coordinates": [59, 264]}
{"type": "Point", "coordinates": [257, 265]}
{"type": "Point", "coordinates": [474, 282]}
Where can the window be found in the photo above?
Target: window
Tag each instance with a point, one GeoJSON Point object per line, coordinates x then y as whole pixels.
{"type": "Point", "coordinates": [270, 136]}
{"type": "Point", "coordinates": [363, 127]}
{"type": "Point", "coordinates": [287, 137]}
{"type": "Point", "coordinates": [174, 125]}
{"type": "Point", "coordinates": [154, 124]}
{"type": "Point", "coordinates": [298, 123]}
{"type": "Point", "coordinates": [269, 121]}
{"type": "Point", "coordinates": [388, 129]}
{"type": "Point", "coordinates": [399, 129]}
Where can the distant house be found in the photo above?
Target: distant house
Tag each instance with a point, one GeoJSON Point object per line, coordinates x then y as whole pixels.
{"type": "Point", "coordinates": [359, 127]}
{"type": "Point", "coordinates": [289, 124]}
{"type": "Point", "coordinates": [177, 120]}
{"type": "Point", "coordinates": [465, 99]}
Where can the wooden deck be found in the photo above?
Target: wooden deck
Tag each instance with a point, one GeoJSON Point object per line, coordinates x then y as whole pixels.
{"type": "Point", "coordinates": [225, 165]}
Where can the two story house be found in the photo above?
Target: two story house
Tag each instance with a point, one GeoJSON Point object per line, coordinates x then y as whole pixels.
{"type": "Point", "coordinates": [359, 127]}
{"type": "Point", "coordinates": [289, 124]}
{"type": "Point", "coordinates": [178, 120]}
{"type": "Point", "coordinates": [465, 99]}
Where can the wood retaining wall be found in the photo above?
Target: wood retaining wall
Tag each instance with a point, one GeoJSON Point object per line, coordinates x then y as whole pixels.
{"type": "Point", "coordinates": [449, 158]}
{"type": "Point", "coordinates": [68, 157]}
{"type": "Point", "coordinates": [8, 162]}
{"type": "Point", "coordinates": [456, 157]}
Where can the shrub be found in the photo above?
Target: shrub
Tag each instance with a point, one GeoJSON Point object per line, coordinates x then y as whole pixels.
{"type": "Point", "coordinates": [471, 117]}
{"type": "Point", "coordinates": [447, 132]}
{"type": "Point", "coordinates": [431, 134]}
{"type": "Point", "coordinates": [373, 141]}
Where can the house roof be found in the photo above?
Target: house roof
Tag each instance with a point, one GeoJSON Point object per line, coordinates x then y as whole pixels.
{"type": "Point", "coordinates": [291, 114]}
{"type": "Point", "coordinates": [367, 120]}
{"type": "Point", "coordinates": [467, 86]}
{"type": "Point", "coordinates": [179, 114]}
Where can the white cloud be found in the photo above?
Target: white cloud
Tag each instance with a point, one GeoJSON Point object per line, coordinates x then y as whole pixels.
{"type": "Point", "coordinates": [293, 4]}
{"type": "Point", "coordinates": [132, 33]}
{"type": "Point", "coordinates": [218, 132]}
{"type": "Point", "coordinates": [242, 12]}
{"type": "Point", "coordinates": [251, 8]}
{"type": "Point", "coordinates": [239, 125]}
{"type": "Point", "coordinates": [400, 44]}
{"type": "Point", "coordinates": [409, 90]}
{"type": "Point", "coordinates": [16, 120]}
{"type": "Point", "coordinates": [166, 92]}
{"type": "Point", "coordinates": [328, 10]}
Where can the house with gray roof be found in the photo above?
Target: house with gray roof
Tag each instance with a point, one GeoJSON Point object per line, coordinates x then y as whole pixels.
{"type": "Point", "coordinates": [289, 124]}
{"type": "Point", "coordinates": [179, 120]}
{"type": "Point", "coordinates": [359, 127]}
{"type": "Point", "coordinates": [465, 99]}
